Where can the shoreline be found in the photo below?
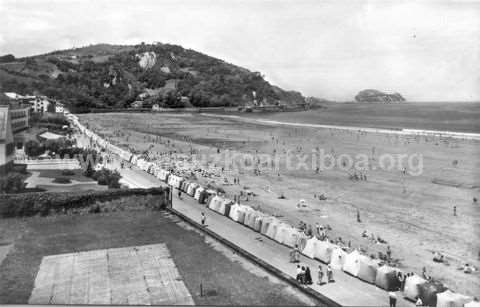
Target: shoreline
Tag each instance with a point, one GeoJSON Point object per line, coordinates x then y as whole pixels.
{"type": "Point", "coordinates": [402, 131]}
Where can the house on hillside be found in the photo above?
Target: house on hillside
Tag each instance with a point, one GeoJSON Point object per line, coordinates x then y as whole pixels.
{"type": "Point", "coordinates": [59, 108]}
{"type": "Point", "coordinates": [40, 104]}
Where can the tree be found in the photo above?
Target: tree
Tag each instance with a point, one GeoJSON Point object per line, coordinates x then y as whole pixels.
{"type": "Point", "coordinates": [89, 172]}
{"type": "Point", "coordinates": [108, 177]}
{"type": "Point", "coordinates": [33, 148]}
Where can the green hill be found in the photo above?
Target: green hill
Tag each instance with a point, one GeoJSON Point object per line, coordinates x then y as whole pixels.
{"type": "Point", "coordinates": [114, 76]}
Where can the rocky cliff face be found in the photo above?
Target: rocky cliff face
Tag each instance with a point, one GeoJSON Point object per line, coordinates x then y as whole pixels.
{"type": "Point", "coordinates": [370, 95]}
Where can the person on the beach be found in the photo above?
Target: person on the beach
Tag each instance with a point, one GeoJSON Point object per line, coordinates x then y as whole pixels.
{"type": "Point", "coordinates": [308, 276]}
{"type": "Point", "coordinates": [329, 274]}
{"type": "Point", "coordinates": [320, 275]}
{"type": "Point", "coordinates": [292, 256]}
{"type": "Point", "coordinates": [303, 275]}
{"type": "Point", "coordinates": [299, 273]}
{"type": "Point", "coordinates": [392, 298]}
{"type": "Point", "coordinates": [389, 253]}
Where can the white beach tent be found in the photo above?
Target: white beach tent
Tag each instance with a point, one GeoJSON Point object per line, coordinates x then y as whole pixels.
{"type": "Point", "coordinates": [452, 299]}
{"type": "Point", "coordinates": [234, 212]}
{"type": "Point", "coordinates": [215, 203]}
{"type": "Point", "coordinates": [249, 217]}
{"type": "Point", "coordinates": [323, 251]}
{"type": "Point", "coordinates": [411, 286]}
{"type": "Point", "coordinates": [272, 228]}
{"type": "Point", "coordinates": [352, 263]}
{"type": "Point", "coordinates": [191, 188]}
{"type": "Point", "coordinates": [472, 304]}
{"type": "Point", "coordinates": [368, 270]}
{"type": "Point", "coordinates": [175, 181]}
{"type": "Point", "coordinates": [292, 237]}
{"type": "Point", "coordinates": [281, 233]}
{"type": "Point", "coordinates": [252, 216]}
{"type": "Point", "coordinates": [247, 210]}
{"type": "Point", "coordinates": [337, 258]}
{"type": "Point", "coordinates": [266, 221]}
{"type": "Point", "coordinates": [223, 204]}
{"type": "Point", "coordinates": [259, 219]}
{"type": "Point", "coordinates": [310, 247]}
{"type": "Point", "coordinates": [162, 174]}
{"type": "Point", "coordinates": [198, 191]}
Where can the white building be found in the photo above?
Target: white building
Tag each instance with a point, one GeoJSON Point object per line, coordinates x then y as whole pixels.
{"type": "Point", "coordinates": [7, 145]}
{"type": "Point", "coordinates": [40, 104]}
{"type": "Point", "coordinates": [59, 108]}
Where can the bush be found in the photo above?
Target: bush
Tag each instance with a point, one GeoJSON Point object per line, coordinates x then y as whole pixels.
{"type": "Point", "coordinates": [33, 148]}
{"type": "Point", "coordinates": [11, 183]}
{"type": "Point", "coordinates": [68, 172]}
{"type": "Point", "coordinates": [108, 177]}
{"type": "Point", "coordinates": [62, 180]}
{"type": "Point", "coordinates": [43, 203]}
{"type": "Point", "coordinates": [20, 168]}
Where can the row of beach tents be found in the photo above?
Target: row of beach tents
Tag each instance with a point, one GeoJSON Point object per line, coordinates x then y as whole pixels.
{"type": "Point", "coordinates": [433, 294]}
{"type": "Point", "coordinates": [353, 263]}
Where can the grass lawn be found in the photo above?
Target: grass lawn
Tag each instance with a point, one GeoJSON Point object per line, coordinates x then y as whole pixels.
{"type": "Point", "coordinates": [55, 173]}
{"type": "Point", "coordinates": [225, 281]}
{"type": "Point", "coordinates": [75, 187]}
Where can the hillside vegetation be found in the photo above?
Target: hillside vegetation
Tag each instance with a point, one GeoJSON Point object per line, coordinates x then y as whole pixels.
{"type": "Point", "coordinates": [112, 76]}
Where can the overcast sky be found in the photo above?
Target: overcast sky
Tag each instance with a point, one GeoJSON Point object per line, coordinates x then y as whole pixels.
{"type": "Point", "coordinates": [426, 50]}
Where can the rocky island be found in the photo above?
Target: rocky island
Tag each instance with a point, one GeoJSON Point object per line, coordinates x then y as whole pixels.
{"type": "Point", "coordinates": [370, 95]}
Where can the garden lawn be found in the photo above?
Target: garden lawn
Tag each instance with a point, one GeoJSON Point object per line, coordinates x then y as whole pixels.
{"type": "Point", "coordinates": [226, 282]}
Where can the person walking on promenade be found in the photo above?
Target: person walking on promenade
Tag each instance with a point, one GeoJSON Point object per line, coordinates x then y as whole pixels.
{"type": "Point", "coordinates": [329, 274]}
{"type": "Point", "coordinates": [179, 194]}
{"type": "Point", "coordinates": [299, 274]}
{"type": "Point", "coordinates": [303, 275]}
{"type": "Point", "coordinates": [308, 276]}
{"type": "Point", "coordinates": [294, 254]}
{"type": "Point", "coordinates": [320, 275]}
{"type": "Point", "coordinates": [203, 219]}
{"type": "Point", "coordinates": [392, 297]}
